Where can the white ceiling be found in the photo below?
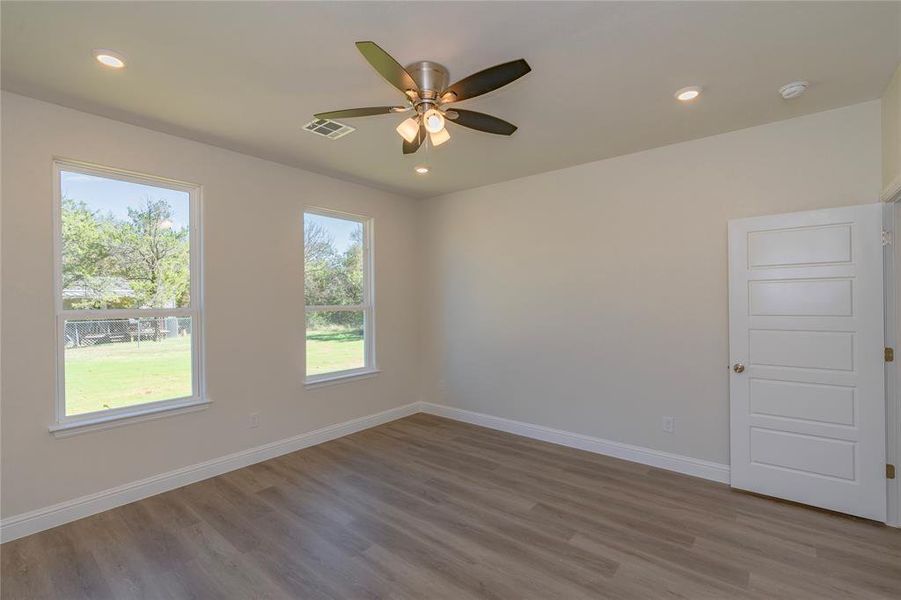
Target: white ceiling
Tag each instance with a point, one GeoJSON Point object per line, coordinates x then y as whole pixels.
{"type": "Point", "coordinates": [248, 76]}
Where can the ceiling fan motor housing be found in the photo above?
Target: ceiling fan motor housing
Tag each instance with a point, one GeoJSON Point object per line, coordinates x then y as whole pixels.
{"type": "Point", "coordinates": [431, 78]}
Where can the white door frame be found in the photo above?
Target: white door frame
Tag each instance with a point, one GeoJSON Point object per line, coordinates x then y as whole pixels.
{"type": "Point", "coordinates": [892, 257]}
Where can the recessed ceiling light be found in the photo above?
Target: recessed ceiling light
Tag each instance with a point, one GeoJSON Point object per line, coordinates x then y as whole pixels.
{"type": "Point", "coordinates": [422, 170]}
{"type": "Point", "coordinates": [793, 89]}
{"type": "Point", "coordinates": [687, 94]}
{"type": "Point", "coordinates": [109, 58]}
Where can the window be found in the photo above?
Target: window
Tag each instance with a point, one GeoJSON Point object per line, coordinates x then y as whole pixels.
{"type": "Point", "coordinates": [127, 301]}
{"type": "Point", "coordinates": [337, 295]}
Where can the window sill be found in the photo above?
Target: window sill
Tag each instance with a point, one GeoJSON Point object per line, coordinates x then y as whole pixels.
{"type": "Point", "coordinates": [99, 422]}
{"type": "Point", "coordinates": [332, 379]}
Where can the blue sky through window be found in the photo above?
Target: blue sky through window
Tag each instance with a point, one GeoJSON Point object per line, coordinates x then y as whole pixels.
{"type": "Point", "coordinates": [112, 196]}
{"type": "Point", "coordinates": [341, 230]}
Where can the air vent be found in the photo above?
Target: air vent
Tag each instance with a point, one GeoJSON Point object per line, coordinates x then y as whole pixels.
{"type": "Point", "coordinates": [330, 129]}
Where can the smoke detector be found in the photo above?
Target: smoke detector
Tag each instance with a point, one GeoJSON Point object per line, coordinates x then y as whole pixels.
{"type": "Point", "coordinates": [793, 89]}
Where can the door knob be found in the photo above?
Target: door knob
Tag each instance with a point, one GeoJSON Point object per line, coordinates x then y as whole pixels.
{"type": "Point", "coordinates": [738, 368]}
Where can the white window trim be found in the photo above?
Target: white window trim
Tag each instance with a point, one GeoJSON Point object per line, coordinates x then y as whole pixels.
{"type": "Point", "coordinates": [367, 308]}
{"type": "Point", "coordinates": [128, 414]}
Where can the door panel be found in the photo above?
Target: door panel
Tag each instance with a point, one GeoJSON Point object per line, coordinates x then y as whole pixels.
{"type": "Point", "coordinates": [831, 350]}
{"type": "Point", "coordinates": [806, 454]}
{"type": "Point", "coordinates": [827, 298]}
{"type": "Point", "coordinates": [803, 401]}
{"type": "Point", "coordinates": [806, 321]}
{"type": "Point", "coordinates": [801, 246]}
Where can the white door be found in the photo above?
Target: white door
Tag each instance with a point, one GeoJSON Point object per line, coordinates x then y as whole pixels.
{"type": "Point", "coordinates": [806, 344]}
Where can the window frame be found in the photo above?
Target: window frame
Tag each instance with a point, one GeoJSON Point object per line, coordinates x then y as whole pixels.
{"type": "Point", "coordinates": [154, 409]}
{"type": "Point", "coordinates": [367, 307]}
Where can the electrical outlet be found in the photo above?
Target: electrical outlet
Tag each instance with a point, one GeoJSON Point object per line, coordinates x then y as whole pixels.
{"type": "Point", "coordinates": [254, 420]}
{"type": "Point", "coordinates": [669, 424]}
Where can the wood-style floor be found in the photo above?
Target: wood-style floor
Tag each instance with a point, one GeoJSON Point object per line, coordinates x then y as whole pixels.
{"type": "Point", "coordinates": [430, 508]}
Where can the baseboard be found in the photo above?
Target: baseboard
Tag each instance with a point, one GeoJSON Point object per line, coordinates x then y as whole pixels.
{"type": "Point", "coordinates": [51, 516]}
{"type": "Point", "coordinates": [647, 456]}
{"type": "Point", "coordinates": [71, 510]}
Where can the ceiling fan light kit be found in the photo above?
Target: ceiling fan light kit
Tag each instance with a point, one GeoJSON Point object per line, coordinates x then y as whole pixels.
{"type": "Point", "coordinates": [408, 129]}
{"type": "Point", "coordinates": [439, 137]}
{"type": "Point", "coordinates": [424, 85]}
{"type": "Point", "coordinates": [434, 120]}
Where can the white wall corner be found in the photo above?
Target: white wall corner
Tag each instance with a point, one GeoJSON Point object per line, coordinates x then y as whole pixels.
{"type": "Point", "coordinates": [892, 192]}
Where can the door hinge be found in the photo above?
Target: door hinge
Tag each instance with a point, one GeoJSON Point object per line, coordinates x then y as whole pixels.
{"type": "Point", "coordinates": [889, 354]}
{"type": "Point", "coordinates": [886, 238]}
{"type": "Point", "coordinates": [889, 471]}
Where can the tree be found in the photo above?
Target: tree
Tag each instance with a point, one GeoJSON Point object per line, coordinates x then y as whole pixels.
{"type": "Point", "coordinates": [317, 243]}
{"type": "Point", "coordinates": [153, 256]}
{"type": "Point", "coordinates": [332, 277]}
{"type": "Point", "coordinates": [351, 269]}
{"type": "Point", "coordinates": [87, 262]}
{"type": "Point", "coordinates": [141, 261]}
{"type": "Point", "coordinates": [319, 255]}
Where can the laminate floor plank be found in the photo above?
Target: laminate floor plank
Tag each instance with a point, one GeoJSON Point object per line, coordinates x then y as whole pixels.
{"type": "Point", "coordinates": [498, 534]}
{"type": "Point", "coordinates": [426, 507]}
{"type": "Point", "coordinates": [467, 541]}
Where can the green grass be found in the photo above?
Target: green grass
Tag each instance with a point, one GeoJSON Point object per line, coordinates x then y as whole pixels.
{"type": "Point", "coordinates": [109, 376]}
{"type": "Point", "coordinates": [334, 350]}
{"type": "Point", "coordinates": [124, 374]}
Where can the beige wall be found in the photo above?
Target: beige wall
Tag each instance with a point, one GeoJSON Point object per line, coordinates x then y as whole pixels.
{"type": "Point", "coordinates": [891, 136]}
{"type": "Point", "coordinates": [591, 299]}
{"type": "Point", "coordinates": [594, 299]}
{"type": "Point", "coordinates": [254, 306]}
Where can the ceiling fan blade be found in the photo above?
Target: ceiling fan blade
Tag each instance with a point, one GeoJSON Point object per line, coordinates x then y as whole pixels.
{"type": "Point", "coordinates": [360, 112]}
{"type": "Point", "coordinates": [387, 67]}
{"type": "Point", "coordinates": [411, 147]}
{"type": "Point", "coordinates": [485, 81]}
{"type": "Point", "coordinates": [480, 121]}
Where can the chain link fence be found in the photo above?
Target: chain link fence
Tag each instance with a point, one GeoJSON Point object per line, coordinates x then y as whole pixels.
{"type": "Point", "coordinates": [113, 331]}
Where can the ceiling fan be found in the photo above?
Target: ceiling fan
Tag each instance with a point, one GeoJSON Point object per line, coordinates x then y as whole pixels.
{"type": "Point", "coordinates": [424, 84]}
